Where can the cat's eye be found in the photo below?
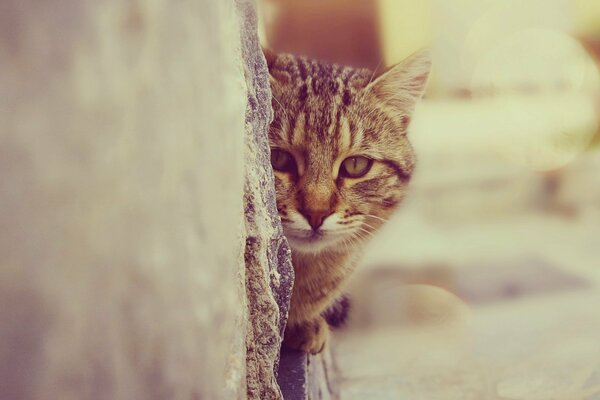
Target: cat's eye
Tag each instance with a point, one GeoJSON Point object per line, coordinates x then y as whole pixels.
{"type": "Point", "coordinates": [355, 167]}
{"type": "Point", "coordinates": [283, 161]}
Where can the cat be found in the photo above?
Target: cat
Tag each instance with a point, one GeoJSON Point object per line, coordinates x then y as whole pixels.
{"type": "Point", "coordinates": [342, 162]}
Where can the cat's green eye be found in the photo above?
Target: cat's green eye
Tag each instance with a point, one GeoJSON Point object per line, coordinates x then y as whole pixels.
{"type": "Point", "coordinates": [283, 161]}
{"type": "Point", "coordinates": [355, 167]}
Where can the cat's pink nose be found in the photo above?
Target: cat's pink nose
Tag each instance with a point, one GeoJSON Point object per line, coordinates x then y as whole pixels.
{"type": "Point", "coordinates": [316, 217]}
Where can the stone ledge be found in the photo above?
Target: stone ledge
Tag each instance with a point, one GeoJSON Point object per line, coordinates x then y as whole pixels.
{"type": "Point", "coordinates": [305, 377]}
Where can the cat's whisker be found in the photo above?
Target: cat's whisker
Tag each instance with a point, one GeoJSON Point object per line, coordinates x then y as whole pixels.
{"type": "Point", "coordinates": [369, 226]}
{"type": "Point", "coordinates": [366, 231]}
{"type": "Point", "coordinates": [348, 229]}
{"type": "Point", "coordinates": [359, 238]}
{"type": "Point", "coordinates": [359, 234]}
{"type": "Point", "coordinates": [280, 105]}
{"type": "Point", "coordinates": [350, 221]}
{"type": "Point", "coordinates": [376, 217]}
{"type": "Point", "coordinates": [347, 244]}
{"type": "Point", "coordinates": [374, 72]}
{"type": "Point", "coordinates": [354, 240]}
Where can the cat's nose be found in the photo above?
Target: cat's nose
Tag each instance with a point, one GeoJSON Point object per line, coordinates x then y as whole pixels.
{"type": "Point", "coordinates": [316, 217]}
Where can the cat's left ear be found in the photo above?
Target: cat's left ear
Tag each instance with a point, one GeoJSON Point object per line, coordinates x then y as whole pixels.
{"type": "Point", "coordinates": [403, 85]}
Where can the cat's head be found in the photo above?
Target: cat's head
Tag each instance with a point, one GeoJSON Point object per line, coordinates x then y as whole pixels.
{"type": "Point", "coordinates": [339, 146]}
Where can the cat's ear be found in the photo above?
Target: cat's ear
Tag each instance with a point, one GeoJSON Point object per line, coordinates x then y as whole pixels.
{"type": "Point", "coordinates": [403, 85]}
{"type": "Point", "coordinates": [277, 75]}
{"type": "Point", "coordinates": [270, 56]}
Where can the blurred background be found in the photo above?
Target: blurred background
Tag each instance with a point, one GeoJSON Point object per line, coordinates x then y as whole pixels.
{"type": "Point", "coordinates": [485, 283]}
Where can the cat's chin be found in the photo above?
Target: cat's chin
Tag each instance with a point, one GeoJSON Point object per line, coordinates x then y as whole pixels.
{"type": "Point", "coordinates": [315, 244]}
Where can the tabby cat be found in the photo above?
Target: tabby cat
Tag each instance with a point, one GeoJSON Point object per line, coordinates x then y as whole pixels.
{"type": "Point", "coordinates": [342, 163]}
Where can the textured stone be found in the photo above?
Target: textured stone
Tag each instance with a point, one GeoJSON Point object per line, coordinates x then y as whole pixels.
{"type": "Point", "coordinates": [293, 374]}
{"type": "Point", "coordinates": [269, 272]}
{"type": "Point", "coordinates": [322, 377]}
{"type": "Point", "coordinates": [304, 377]}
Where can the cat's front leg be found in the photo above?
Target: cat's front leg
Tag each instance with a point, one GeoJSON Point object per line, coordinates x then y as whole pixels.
{"type": "Point", "coordinates": [307, 336]}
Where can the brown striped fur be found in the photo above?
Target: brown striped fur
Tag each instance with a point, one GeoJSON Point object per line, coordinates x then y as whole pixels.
{"type": "Point", "coordinates": [325, 113]}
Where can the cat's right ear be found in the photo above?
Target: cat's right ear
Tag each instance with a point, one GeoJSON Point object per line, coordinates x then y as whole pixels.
{"type": "Point", "coordinates": [270, 56]}
{"type": "Point", "coordinates": [277, 75]}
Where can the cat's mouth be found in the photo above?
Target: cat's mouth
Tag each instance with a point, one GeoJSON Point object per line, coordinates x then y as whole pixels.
{"type": "Point", "coordinates": [312, 236]}
{"type": "Point", "coordinates": [309, 236]}
{"type": "Point", "coordinates": [311, 240]}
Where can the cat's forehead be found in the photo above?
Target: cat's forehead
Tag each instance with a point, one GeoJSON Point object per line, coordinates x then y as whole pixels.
{"type": "Point", "coordinates": [317, 78]}
{"type": "Point", "coordinates": [315, 91]}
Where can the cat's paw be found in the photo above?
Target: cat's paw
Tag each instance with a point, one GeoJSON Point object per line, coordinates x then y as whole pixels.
{"type": "Point", "coordinates": [309, 337]}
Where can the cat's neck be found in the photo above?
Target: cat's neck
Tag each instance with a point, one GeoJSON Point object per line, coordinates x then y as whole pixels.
{"type": "Point", "coordinates": [334, 257]}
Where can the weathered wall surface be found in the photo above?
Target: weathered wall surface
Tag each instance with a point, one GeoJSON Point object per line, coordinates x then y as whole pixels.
{"type": "Point", "coordinates": [269, 272]}
{"type": "Point", "coordinates": [121, 200]}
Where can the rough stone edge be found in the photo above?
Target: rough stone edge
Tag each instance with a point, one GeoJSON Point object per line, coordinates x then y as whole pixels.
{"type": "Point", "coordinates": [269, 272]}
{"type": "Point", "coordinates": [322, 377]}
{"type": "Point", "coordinates": [293, 374]}
{"type": "Point", "coordinates": [280, 261]}
{"type": "Point", "coordinates": [303, 376]}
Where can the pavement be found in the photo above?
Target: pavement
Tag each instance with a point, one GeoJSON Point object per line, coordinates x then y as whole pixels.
{"type": "Point", "coordinates": [539, 348]}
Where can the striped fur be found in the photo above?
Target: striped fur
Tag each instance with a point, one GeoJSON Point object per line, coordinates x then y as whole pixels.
{"type": "Point", "coordinates": [325, 113]}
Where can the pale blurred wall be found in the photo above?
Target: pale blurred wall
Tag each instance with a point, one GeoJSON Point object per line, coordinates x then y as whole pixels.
{"type": "Point", "coordinates": [121, 186]}
{"type": "Point", "coordinates": [459, 32]}
{"type": "Point", "coordinates": [336, 31]}
{"type": "Point", "coordinates": [405, 26]}
{"type": "Point", "coordinates": [587, 17]}
{"type": "Point", "coordinates": [465, 30]}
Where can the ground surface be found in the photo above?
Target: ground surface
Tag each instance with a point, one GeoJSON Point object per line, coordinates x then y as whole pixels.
{"type": "Point", "coordinates": [536, 348]}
